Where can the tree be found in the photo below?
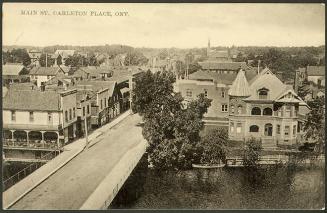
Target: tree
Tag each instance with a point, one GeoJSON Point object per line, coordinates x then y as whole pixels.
{"type": "Point", "coordinates": [213, 146]}
{"type": "Point", "coordinates": [252, 153]}
{"type": "Point", "coordinates": [304, 89]}
{"type": "Point", "coordinates": [171, 129]}
{"type": "Point", "coordinates": [50, 61]}
{"type": "Point", "coordinates": [315, 123]}
{"type": "Point", "coordinates": [135, 58]}
{"type": "Point", "coordinates": [21, 56]}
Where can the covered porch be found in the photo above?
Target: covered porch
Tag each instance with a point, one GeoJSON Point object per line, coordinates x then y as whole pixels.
{"type": "Point", "coordinates": [31, 139]}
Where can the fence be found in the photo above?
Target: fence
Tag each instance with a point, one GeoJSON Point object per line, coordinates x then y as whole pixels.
{"type": "Point", "coordinates": [27, 170]}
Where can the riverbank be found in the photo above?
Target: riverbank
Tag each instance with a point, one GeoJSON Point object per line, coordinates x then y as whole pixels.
{"type": "Point", "coordinates": [233, 188]}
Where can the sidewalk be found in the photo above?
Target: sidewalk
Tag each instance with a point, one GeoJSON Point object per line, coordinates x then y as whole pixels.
{"type": "Point", "coordinates": [17, 191]}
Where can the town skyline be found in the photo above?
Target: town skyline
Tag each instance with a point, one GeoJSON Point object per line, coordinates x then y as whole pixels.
{"type": "Point", "coordinates": [166, 26]}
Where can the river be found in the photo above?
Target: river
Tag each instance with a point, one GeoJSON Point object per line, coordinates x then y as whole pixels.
{"type": "Point", "coordinates": [230, 188]}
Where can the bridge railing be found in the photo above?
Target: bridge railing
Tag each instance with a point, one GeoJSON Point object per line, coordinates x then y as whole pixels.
{"type": "Point", "coordinates": [12, 180]}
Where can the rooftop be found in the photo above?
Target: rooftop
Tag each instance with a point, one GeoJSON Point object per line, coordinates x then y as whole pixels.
{"type": "Point", "coordinates": [31, 100]}
{"type": "Point", "coordinates": [45, 70]}
{"type": "Point", "coordinates": [12, 69]}
{"type": "Point", "coordinates": [240, 86]}
{"type": "Point", "coordinates": [316, 70]}
{"type": "Point", "coordinates": [213, 65]}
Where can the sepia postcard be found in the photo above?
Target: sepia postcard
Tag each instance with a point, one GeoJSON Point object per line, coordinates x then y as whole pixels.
{"type": "Point", "coordinates": [163, 106]}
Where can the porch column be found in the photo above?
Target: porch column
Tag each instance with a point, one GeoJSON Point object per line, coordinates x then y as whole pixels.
{"type": "Point", "coordinates": [12, 136]}
{"type": "Point", "coordinates": [58, 143]}
{"type": "Point", "coordinates": [43, 142]}
{"type": "Point", "coordinates": [27, 137]}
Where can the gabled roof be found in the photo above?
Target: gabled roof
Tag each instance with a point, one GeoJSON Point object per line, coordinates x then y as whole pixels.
{"type": "Point", "coordinates": [266, 79]}
{"type": "Point", "coordinates": [32, 100]}
{"type": "Point", "coordinates": [240, 86]}
{"type": "Point", "coordinates": [45, 70]}
{"type": "Point", "coordinates": [12, 69]}
{"type": "Point", "coordinates": [316, 70]}
{"type": "Point", "coordinates": [289, 96]}
{"type": "Point", "coordinates": [213, 65]}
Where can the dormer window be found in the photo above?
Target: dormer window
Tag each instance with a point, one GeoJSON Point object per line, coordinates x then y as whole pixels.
{"type": "Point", "coordinates": [263, 93]}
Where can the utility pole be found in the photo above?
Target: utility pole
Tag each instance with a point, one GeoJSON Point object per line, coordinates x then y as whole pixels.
{"type": "Point", "coordinates": [46, 59]}
{"type": "Point", "coordinates": [85, 124]}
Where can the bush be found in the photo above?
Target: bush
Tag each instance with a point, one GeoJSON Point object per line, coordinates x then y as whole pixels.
{"type": "Point", "coordinates": [213, 146]}
{"type": "Point", "coordinates": [252, 152]}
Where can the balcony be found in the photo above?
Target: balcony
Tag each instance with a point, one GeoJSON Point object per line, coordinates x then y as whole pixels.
{"type": "Point", "coordinates": [31, 144]}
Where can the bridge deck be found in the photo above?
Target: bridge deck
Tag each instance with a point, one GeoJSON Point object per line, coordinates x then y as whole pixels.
{"type": "Point", "coordinates": [70, 186]}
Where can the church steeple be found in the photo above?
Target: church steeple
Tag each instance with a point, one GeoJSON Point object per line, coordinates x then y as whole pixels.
{"type": "Point", "coordinates": [208, 48]}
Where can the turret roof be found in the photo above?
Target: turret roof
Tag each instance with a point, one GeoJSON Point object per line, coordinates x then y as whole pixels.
{"type": "Point", "coordinates": [240, 86]}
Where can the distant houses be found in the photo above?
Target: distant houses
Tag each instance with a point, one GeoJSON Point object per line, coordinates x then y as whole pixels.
{"type": "Point", "coordinates": [14, 73]}
{"type": "Point", "coordinates": [41, 75]}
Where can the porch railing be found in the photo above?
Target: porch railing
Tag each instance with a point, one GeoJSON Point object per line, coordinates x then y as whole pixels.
{"type": "Point", "coordinates": [36, 144]}
{"type": "Point", "coordinates": [12, 180]}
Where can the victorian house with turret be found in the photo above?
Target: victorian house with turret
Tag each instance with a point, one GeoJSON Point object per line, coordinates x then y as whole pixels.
{"type": "Point", "coordinates": [264, 108]}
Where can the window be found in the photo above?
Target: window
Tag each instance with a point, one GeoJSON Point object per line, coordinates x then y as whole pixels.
{"type": "Point", "coordinates": [49, 117]}
{"type": "Point", "coordinates": [88, 109]}
{"type": "Point", "coordinates": [74, 113]}
{"type": "Point", "coordinates": [287, 130]}
{"type": "Point", "coordinates": [294, 130]}
{"type": "Point", "coordinates": [101, 104]}
{"type": "Point", "coordinates": [13, 115]}
{"type": "Point", "coordinates": [205, 93]}
{"type": "Point", "coordinates": [254, 128]}
{"type": "Point", "coordinates": [83, 110]}
{"type": "Point", "coordinates": [288, 111]}
{"type": "Point", "coordinates": [268, 129]}
{"type": "Point", "coordinates": [231, 127]}
{"type": "Point", "coordinates": [278, 129]}
{"type": "Point", "coordinates": [267, 111]}
{"type": "Point", "coordinates": [105, 102]}
{"type": "Point", "coordinates": [31, 116]}
{"type": "Point", "coordinates": [256, 111]}
{"type": "Point", "coordinates": [70, 114]}
{"type": "Point", "coordinates": [188, 93]}
{"type": "Point", "coordinates": [263, 93]}
{"type": "Point", "coordinates": [239, 109]}
{"type": "Point", "coordinates": [238, 128]}
{"type": "Point", "coordinates": [66, 116]}
{"type": "Point", "coordinates": [223, 93]}
{"type": "Point", "coordinates": [224, 107]}
{"type": "Point", "coordinates": [232, 108]}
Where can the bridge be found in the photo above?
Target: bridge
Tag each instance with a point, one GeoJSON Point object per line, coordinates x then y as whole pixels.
{"type": "Point", "coordinates": [92, 178]}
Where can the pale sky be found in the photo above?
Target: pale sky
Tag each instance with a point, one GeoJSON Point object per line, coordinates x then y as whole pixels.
{"type": "Point", "coordinates": [167, 25]}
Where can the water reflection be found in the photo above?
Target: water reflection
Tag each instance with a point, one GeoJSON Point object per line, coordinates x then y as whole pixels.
{"type": "Point", "coordinates": [234, 188]}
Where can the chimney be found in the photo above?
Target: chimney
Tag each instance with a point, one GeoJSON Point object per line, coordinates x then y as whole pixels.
{"type": "Point", "coordinates": [296, 81]}
{"type": "Point", "coordinates": [259, 66]}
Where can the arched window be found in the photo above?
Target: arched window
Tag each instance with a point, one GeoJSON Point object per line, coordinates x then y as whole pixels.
{"type": "Point", "coordinates": [239, 109]}
{"type": "Point", "coordinates": [254, 128]}
{"type": "Point", "coordinates": [256, 111]}
{"type": "Point", "coordinates": [268, 129]}
{"type": "Point", "coordinates": [267, 111]}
